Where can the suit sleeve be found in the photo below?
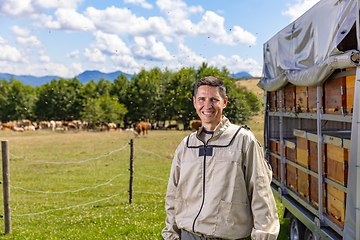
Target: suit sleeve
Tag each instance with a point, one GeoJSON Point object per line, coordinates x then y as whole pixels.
{"type": "Point", "coordinates": [258, 177]}
{"type": "Point", "coordinates": [171, 231]}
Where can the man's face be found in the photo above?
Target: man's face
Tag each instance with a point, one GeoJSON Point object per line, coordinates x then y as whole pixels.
{"type": "Point", "coordinates": [209, 106]}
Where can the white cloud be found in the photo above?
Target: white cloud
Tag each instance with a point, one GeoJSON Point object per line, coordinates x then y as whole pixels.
{"type": "Point", "coordinates": [48, 22]}
{"type": "Point", "coordinates": [188, 57]}
{"type": "Point", "coordinates": [142, 3]}
{"type": "Point", "coordinates": [44, 59]}
{"type": "Point", "coordinates": [237, 36]}
{"type": "Point", "coordinates": [76, 69]}
{"type": "Point", "coordinates": [95, 55]}
{"type": "Point", "coordinates": [150, 48]}
{"type": "Point", "coordinates": [236, 64]}
{"type": "Point", "coordinates": [122, 21]}
{"type": "Point", "coordinates": [68, 20]}
{"type": "Point", "coordinates": [299, 8]}
{"type": "Point", "coordinates": [211, 24]}
{"type": "Point", "coordinates": [31, 41]}
{"type": "Point", "coordinates": [19, 9]}
{"type": "Point", "coordinates": [8, 53]}
{"type": "Point", "coordinates": [2, 40]}
{"type": "Point", "coordinates": [46, 70]}
{"type": "Point", "coordinates": [24, 32]}
{"type": "Point", "coordinates": [73, 54]}
{"type": "Point", "coordinates": [177, 13]}
{"type": "Point", "coordinates": [110, 43]}
{"type": "Point", "coordinates": [58, 4]}
{"type": "Point", "coordinates": [125, 61]}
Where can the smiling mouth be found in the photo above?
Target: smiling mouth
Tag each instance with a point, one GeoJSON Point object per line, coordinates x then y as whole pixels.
{"type": "Point", "coordinates": [207, 113]}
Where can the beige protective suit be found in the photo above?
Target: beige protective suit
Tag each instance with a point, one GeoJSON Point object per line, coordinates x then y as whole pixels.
{"type": "Point", "coordinates": [222, 188]}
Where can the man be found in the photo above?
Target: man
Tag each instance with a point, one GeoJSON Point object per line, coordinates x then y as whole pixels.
{"type": "Point", "coordinates": [219, 186]}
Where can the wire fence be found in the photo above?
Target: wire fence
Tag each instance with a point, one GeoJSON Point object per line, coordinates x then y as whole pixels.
{"type": "Point", "coordinates": [85, 188]}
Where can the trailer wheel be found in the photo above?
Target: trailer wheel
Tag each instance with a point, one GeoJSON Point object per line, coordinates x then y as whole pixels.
{"type": "Point", "coordinates": [296, 229]}
{"type": "Point", "coordinates": [308, 235]}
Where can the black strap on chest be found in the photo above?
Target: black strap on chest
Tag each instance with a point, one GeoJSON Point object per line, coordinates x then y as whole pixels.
{"type": "Point", "coordinates": [205, 151]}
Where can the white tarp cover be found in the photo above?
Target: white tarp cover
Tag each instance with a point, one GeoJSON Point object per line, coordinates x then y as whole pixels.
{"type": "Point", "coordinates": [306, 52]}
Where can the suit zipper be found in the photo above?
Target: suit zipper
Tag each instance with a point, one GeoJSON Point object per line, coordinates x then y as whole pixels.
{"type": "Point", "coordinates": [203, 200]}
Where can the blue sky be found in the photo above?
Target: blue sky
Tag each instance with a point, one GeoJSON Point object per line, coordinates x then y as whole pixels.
{"type": "Point", "coordinates": [67, 37]}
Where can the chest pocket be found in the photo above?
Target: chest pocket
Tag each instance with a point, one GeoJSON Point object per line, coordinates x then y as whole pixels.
{"type": "Point", "coordinates": [227, 170]}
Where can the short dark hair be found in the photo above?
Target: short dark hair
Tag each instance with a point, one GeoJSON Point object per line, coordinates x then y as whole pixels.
{"type": "Point", "coordinates": [211, 81]}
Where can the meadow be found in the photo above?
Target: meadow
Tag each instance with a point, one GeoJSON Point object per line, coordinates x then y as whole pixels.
{"type": "Point", "coordinates": [74, 185]}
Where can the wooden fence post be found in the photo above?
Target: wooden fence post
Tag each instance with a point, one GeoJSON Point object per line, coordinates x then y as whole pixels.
{"type": "Point", "coordinates": [131, 170]}
{"type": "Point", "coordinates": [6, 185]}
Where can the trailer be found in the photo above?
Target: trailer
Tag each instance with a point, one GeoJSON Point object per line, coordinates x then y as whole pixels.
{"type": "Point", "coordinates": [311, 79]}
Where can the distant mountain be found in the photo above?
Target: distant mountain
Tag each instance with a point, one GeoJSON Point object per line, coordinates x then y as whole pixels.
{"type": "Point", "coordinates": [241, 75]}
{"type": "Point", "coordinates": [28, 79]}
{"type": "Point", "coordinates": [84, 77]}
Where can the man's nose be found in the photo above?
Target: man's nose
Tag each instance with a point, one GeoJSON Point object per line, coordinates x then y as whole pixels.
{"type": "Point", "coordinates": [208, 103]}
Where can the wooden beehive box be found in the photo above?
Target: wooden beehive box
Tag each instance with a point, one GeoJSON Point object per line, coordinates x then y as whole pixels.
{"type": "Point", "coordinates": [290, 150]}
{"type": "Point", "coordinates": [314, 192]}
{"type": "Point", "coordinates": [301, 100]}
{"type": "Point", "coordinates": [336, 204]}
{"type": "Point", "coordinates": [350, 89]}
{"type": "Point", "coordinates": [292, 178]}
{"type": "Point", "coordinates": [273, 101]}
{"type": "Point", "coordinates": [279, 169]}
{"type": "Point", "coordinates": [335, 96]}
{"type": "Point", "coordinates": [337, 164]}
{"type": "Point", "coordinates": [312, 99]}
{"type": "Point", "coordinates": [289, 98]}
{"type": "Point", "coordinates": [304, 185]}
{"type": "Point", "coordinates": [274, 145]}
{"type": "Point", "coordinates": [313, 155]}
{"type": "Point", "coordinates": [302, 152]}
{"type": "Point", "coordinates": [274, 166]}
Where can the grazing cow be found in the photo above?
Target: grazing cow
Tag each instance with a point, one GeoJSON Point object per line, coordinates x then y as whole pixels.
{"type": "Point", "coordinates": [8, 125]}
{"type": "Point", "coordinates": [196, 124]}
{"type": "Point", "coordinates": [25, 123]}
{"type": "Point", "coordinates": [18, 129]}
{"type": "Point", "coordinates": [36, 126]}
{"type": "Point", "coordinates": [44, 124]}
{"type": "Point", "coordinates": [52, 125]}
{"type": "Point", "coordinates": [29, 128]}
{"type": "Point", "coordinates": [142, 127]}
{"type": "Point", "coordinates": [111, 126]}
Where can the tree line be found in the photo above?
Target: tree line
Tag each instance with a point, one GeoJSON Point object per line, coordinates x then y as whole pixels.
{"type": "Point", "coordinates": [152, 96]}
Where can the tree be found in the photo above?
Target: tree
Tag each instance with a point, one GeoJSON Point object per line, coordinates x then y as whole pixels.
{"type": "Point", "coordinates": [144, 96]}
{"type": "Point", "coordinates": [103, 110]}
{"type": "Point", "coordinates": [60, 100]}
{"type": "Point", "coordinates": [179, 95]}
{"type": "Point", "coordinates": [17, 101]}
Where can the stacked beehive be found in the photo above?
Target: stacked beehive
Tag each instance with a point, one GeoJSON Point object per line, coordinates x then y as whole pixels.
{"type": "Point", "coordinates": [291, 171]}
{"type": "Point", "coordinates": [274, 161]}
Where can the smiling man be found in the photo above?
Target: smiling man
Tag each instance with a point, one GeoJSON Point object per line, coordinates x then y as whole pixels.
{"type": "Point", "coordinates": [219, 186]}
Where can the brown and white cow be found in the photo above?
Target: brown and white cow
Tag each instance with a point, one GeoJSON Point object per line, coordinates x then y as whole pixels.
{"type": "Point", "coordinates": [142, 127]}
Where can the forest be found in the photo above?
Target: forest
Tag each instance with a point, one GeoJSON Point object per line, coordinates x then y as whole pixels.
{"type": "Point", "coordinates": [153, 95]}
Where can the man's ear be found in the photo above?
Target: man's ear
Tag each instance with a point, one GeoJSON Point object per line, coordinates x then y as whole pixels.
{"type": "Point", "coordinates": [225, 101]}
{"type": "Point", "coordinates": [194, 102]}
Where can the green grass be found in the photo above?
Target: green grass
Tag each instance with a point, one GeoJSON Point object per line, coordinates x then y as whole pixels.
{"type": "Point", "coordinates": [113, 218]}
